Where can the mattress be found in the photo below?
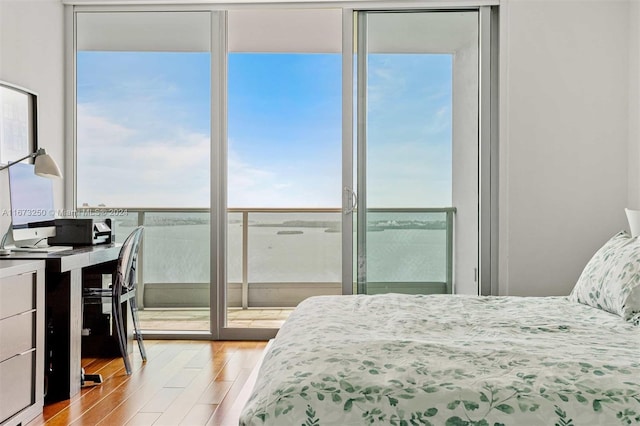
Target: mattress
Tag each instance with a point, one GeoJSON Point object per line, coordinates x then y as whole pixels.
{"type": "Point", "coordinates": [448, 360]}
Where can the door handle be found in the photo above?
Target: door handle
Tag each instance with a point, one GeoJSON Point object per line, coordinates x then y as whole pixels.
{"type": "Point", "coordinates": [351, 200]}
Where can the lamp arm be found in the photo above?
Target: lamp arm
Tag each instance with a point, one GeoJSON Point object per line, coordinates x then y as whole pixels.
{"type": "Point", "coordinates": [4, 238]}
{"type": "Point", "coordinates": [33, 154]}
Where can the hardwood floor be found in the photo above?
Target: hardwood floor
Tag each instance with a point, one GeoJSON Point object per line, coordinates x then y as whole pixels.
{"type": "Point", "coordinates": [183, 383]}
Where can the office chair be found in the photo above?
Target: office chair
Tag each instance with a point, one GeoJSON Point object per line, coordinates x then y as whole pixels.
{"type": "Point", "coordinates": [121, 290]}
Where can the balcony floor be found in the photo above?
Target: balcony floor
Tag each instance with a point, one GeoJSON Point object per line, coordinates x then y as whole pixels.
{"type": "Point", "coordinates": [198, 319]}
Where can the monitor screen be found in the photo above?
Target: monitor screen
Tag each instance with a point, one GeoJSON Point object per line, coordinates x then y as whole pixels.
{"type": "Point", "coordinates": [32, 209]}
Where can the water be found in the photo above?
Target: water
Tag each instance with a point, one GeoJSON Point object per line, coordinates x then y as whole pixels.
{"type": "Point", "coordinates": [289, 247]}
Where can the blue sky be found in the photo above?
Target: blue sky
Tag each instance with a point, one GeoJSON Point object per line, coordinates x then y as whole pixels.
{"type": "Point", "coordinates": [144, 124]}
{"type": "Point", "coordinates": [285, 118]}
{"type": "Point", "coordinates": [409, 130]}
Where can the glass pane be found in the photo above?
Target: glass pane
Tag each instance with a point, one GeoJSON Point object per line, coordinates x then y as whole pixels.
{"type": "Point", "coordinates": [284, 171]}
{"type": "Point", "coordinates": [421, 95]}
{"type": "Point", "coordinates": [143, 148]}
{"type": "Point", "coordinates": [404, 249]}
{"type": "Point", "coordinates": [234, 247]}
{"type": "Point", "coordinates": [284, 130]}
{"type": "Point", "coordinates": [143, 129]}
{"type": "Point", "coordinates": [175, 251]}
{"type": "Point", "coordinates": [294, 248]}
{"type": "Point", "coordinates": [409, 130]}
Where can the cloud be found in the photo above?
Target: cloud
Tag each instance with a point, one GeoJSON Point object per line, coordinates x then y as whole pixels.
{"type": "Point", "coordinates": [135, 154]}
{"type": "Point", "coordinates": [249, 186]}
{"type": "Point", "coordinates": [122, 166]}
{"type": "Point", "coordinates": [408, 83]}
{"type": "Point", "coordinates": [96, 130]}
{"type": "Point", "coordinates": [438, 122]}
{"type": "Point", "coordinates": [411, 173]}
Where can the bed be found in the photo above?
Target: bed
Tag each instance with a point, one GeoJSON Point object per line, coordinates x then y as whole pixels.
{"type": "Point", "coordinates": [459, 360]}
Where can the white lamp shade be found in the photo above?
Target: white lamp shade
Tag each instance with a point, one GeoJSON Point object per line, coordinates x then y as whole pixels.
{"type": "Point", "coordinates": [45, 166]}
{"type": "Point", "coordinates": [633, 216]}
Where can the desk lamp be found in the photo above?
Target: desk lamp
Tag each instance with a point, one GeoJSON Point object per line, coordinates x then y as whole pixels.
{"type": "Point", "coordinates": [44, 166]}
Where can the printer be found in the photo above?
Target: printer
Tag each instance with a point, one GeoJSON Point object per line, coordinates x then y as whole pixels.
{"type": "Point", "coordinates": [82, 232]}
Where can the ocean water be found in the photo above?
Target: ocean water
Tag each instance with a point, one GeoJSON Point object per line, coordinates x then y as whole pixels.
{"type": "Point", "coordinates": [290, 247]}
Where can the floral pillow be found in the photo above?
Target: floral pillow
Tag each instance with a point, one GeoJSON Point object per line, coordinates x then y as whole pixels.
{"type": "Point", "coordinates": [611, 279]}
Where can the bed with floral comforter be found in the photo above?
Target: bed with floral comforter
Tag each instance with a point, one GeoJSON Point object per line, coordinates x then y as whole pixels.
{"type": "Point", "coordinates": [448, 360]}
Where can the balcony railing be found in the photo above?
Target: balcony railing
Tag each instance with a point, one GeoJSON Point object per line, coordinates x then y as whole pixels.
{"type": "Point", "coordinates": [279, 256]}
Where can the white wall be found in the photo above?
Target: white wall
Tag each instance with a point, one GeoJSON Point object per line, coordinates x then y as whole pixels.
{"type": "Point", "coordinates": [564, 139]}
{"type": "Point", "coordinates": [32, 56]}
{"type": "Point", "coordinates": [634, 106]}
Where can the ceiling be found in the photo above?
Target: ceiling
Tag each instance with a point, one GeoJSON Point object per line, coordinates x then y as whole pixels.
{"type": "Point", "coordinates": [275, 30]}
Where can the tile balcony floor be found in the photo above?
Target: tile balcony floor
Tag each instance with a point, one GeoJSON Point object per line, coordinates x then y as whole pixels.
{"type": "Point", "coordinates": [198, 319]}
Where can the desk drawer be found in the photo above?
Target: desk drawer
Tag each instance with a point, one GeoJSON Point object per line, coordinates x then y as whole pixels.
{"type": "Point", "coordinates": [16, 335]}
{"type": "Point", "coordinates": [16, 384]}
{"type": "Point", "coordinates": [16, 295]}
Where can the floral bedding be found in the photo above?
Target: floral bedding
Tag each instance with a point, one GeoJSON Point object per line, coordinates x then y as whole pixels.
{"type": "Point", "coordinates": [448, 360]}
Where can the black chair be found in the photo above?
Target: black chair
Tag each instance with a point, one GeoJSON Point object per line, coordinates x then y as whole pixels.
{"type": "Point", "coordinates": [122, 289]}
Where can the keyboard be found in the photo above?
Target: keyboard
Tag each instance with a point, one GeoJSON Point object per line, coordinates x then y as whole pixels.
{"type": "Point", "coordinates": [50, 249]}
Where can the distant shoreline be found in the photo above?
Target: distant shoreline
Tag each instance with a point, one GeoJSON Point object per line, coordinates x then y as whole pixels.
{"type": "Point", "coordinates": [331, 226]}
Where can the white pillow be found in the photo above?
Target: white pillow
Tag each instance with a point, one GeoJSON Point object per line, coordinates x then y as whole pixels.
{"type": "Point", "coordinates": [611, 279]}
{"type": "Point", "coordinates": [633, 217]}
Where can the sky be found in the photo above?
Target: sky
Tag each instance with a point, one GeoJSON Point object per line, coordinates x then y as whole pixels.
{"type": "Point", "coordinates": [144, 130]}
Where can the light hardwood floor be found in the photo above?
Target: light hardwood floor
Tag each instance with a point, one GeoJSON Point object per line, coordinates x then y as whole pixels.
{"type": "Point", "coordinates": [183, 383]}
{"type": "Point", "coordinates": [158, 319]}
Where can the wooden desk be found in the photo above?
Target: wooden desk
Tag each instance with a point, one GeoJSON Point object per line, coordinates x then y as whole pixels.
{"type": "Point", "coordinates": [63, 300]}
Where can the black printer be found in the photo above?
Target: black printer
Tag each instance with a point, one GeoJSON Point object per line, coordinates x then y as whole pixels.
{"type": "Point", "coordinates": [82, 232]}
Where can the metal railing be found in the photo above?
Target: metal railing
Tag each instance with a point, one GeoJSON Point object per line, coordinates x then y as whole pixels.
{"type": "Point", "coordinates": [141, 217]}
{"type": "Point", "coordinates": [245, 237]}
{"type": "Point", "coordinates": [448, 226]}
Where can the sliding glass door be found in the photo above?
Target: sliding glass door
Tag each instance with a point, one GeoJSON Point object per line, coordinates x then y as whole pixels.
{"type": "Point", "coordinates": [143, 142]}
{"type": "Point", "coordinates": [240, 139]}
{"type": "Point", "coordinates": [283, 188]}
{"type": "Point", "coordinates": [417, 152]}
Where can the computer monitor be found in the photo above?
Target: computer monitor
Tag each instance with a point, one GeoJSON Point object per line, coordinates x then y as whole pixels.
{"type": "Point", "coordinates": [32, 209]}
